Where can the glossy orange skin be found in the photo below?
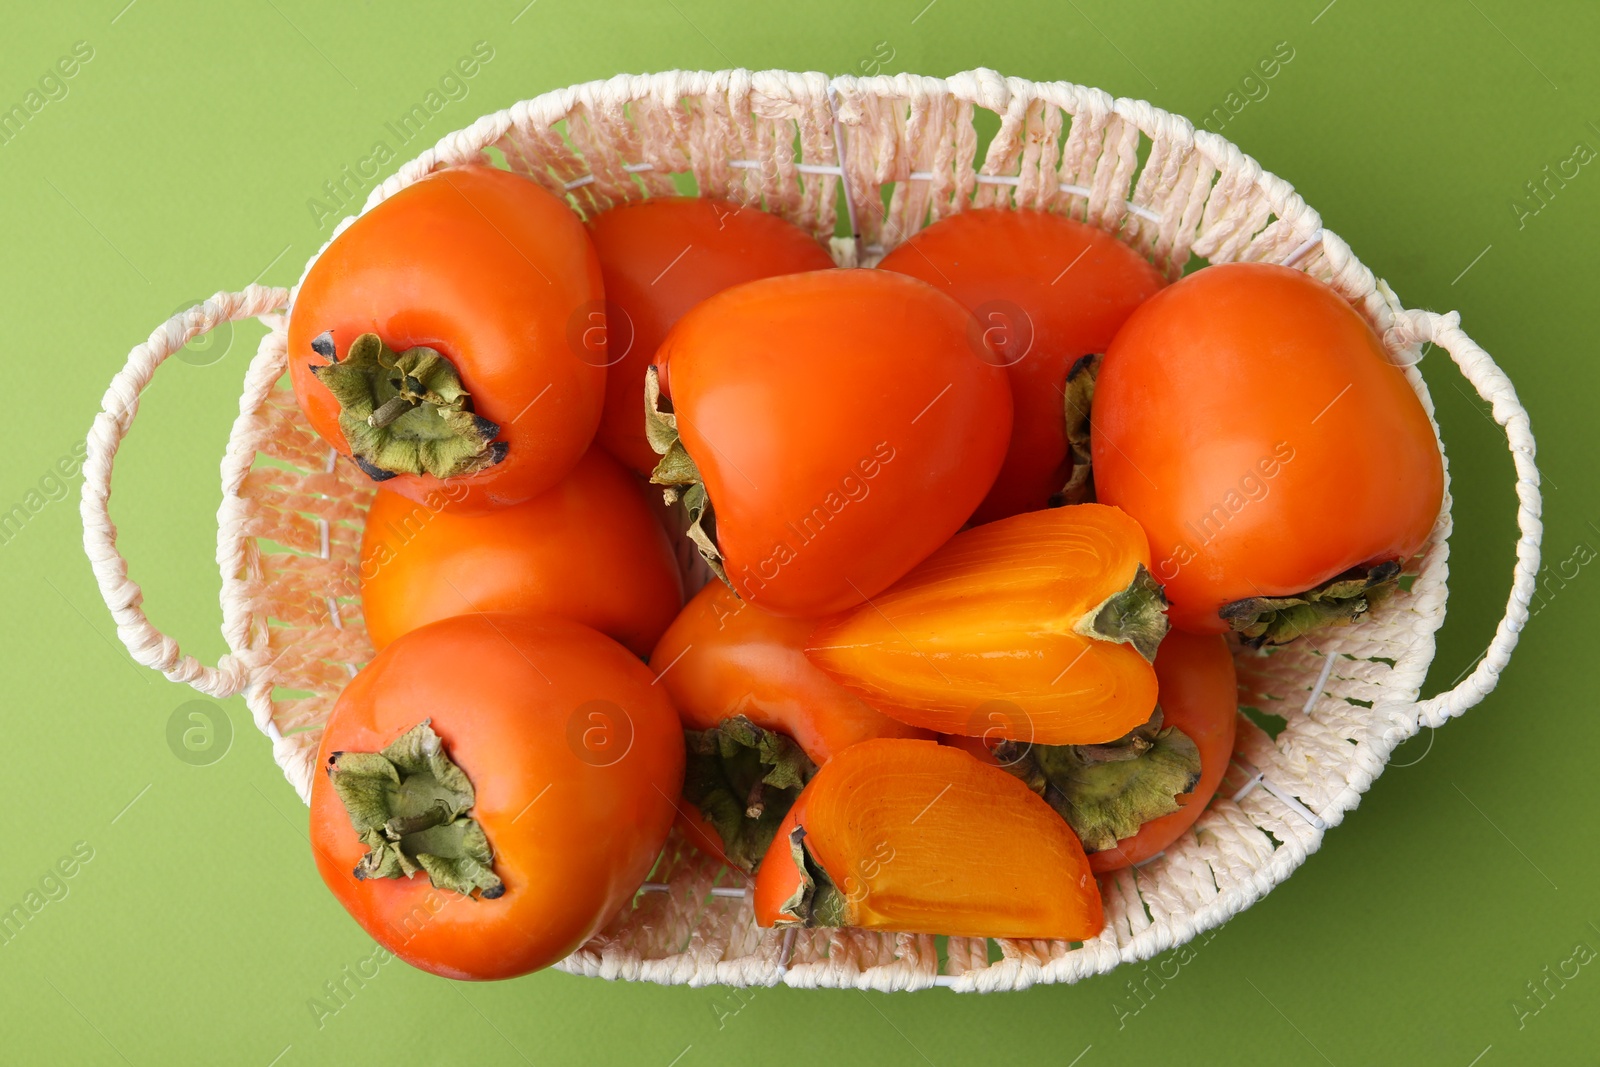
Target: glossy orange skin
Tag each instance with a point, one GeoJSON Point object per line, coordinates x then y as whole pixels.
{"type": "Point", "coordinates": [489, 269]}
{"type": "Point", "coordinates": [923, 838]}
{"type": "Point", "coordinates": [980, 636]}
{"type": "Point", "coordinates": [662, 256]}
{"type": "Point", "coordinates": [575, 827]}
{"type": "Point", "coordinates": [1200, 696]}
{"type": "Point", "coordinates": [590, 549]}
{"type": "Point", "coordinates": [845, 427]}
{"type": "Point", "coordinates": [1047, 290]}
{"type": "Point", "coordinates": [1248, 418]}
{"type": "Point", "coordinates": [779, 875]}
{"type": "Point", "coordinates": [723, 657]}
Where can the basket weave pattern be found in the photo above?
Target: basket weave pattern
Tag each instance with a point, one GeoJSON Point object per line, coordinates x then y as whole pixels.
{"type": "Point", "coordinates": [292, 512]}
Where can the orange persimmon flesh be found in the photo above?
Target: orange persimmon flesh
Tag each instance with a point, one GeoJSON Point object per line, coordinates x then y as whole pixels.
{"type": "Point", "coordinates": [923, 838]}
{"type": "Point", "coordinates": [995, 620]}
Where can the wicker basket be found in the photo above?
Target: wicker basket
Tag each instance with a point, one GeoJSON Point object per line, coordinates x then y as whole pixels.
{"type": "Point", "coordinates": [291, 515]}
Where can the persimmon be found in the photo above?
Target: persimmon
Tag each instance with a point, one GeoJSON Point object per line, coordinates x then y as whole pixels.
{"type": "Point", "coordinates": [1051, 616]}
{"type": "Point", "coordinates": [1250, 419]}
{"type": "Point", "coordinates": [743, 686]}
{"type": "Point", "coordinates": [1047, 290]}
{"type": "Point", "coordinates": [588, 549]}
{"type": "Point", "coordinates": [497, 786]}
{"type": "Point", "coordinates": [660, 257]}
{"type": "Point", "coordinates": [913, 836]}
{"type": "Point", "coordinates": [840, 425]}
{"type": "Point", "coordinates": [429, 341]}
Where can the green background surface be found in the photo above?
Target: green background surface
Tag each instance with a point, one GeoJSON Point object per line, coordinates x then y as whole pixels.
{"type": "Point", "coordinates": [181, 160]}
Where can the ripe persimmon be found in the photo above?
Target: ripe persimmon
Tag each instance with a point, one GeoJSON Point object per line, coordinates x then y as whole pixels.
{"type": "Point", "coordinates": [429, 341]}
{"type": "Point", "coordinates": [497, 786]}
{"type": "Point", "coordinates": [840, 425]}
{"type": "Point", "coordinates": [1250, 419]}
{"type": "Point", "coordinates": [588, 549]}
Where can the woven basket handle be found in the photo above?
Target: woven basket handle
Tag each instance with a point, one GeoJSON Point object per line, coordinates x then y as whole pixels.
{"type": "Point", "coordinates": [1492, 385]}
{"type": "Point", "coordinates": [122, 595]}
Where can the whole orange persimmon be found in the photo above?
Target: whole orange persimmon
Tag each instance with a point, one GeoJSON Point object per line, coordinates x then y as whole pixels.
{"type": "Point", "coordinates": [430, 340]}
{"type": "Point", "coordinates": [1286, 471]}
{"type": "Point", "coordinates": [492, 788]}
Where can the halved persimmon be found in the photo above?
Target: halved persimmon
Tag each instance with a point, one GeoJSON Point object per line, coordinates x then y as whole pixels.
{"type": "Point", "coordinates": [914, 836]}
{"type": "Point", "coordinates": [1048, 619]}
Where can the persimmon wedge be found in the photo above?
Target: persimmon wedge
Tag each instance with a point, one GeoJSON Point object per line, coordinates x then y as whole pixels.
{"type": "Point", "coordinates": [1051, 617]}
{"type": "Point", "coordinates": [914, 836]}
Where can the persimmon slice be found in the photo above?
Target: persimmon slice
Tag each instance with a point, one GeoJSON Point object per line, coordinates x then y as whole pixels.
{"type": "Point", "coordinates": [914, 836]}
{"type": "Point", "coordinates": [1046, 621]}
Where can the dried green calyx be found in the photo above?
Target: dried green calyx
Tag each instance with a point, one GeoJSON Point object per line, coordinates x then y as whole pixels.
{"type": "Point", "coordinates": [816, 900]}
{"type": "Point", "coordinates": [678, 474]}
{"type": "Point", "coordinates": [1340, 601]}
{"type": "Point", "coordinates": [1078, 394]}
{"type": "Point", "coordinates": [1135, 616]}
{"type": "Point", "coordinates": [409, 804]}
{"type": "Point", "coordinates": [1106, 792]}
{"type": "Point", "coordinates": [406, 412]}
{"type": "Point", "coordinates": [744, 779]}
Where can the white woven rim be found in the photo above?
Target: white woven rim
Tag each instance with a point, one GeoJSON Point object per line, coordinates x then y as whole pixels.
{"type": "Point", "coordinates": [1060, 147]}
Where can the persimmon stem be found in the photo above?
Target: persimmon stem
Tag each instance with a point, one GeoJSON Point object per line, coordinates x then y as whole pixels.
{"type": "Point", "coordinates": [1078, 395]}
{"type": "Point", "coordinates": [409, 805]}
{"type": "Point", "coordinates": [1340, 601]}
{"type": "Point", "coordinates": [392, 409]}
{"type": "Point", "coordinates": [756, 802]}
{"type": "Point", "coordinates": [407, 412]}
{"type": "Point", "coordinates": [1106, 792]}
{"type": "Point", "coordinates": [744, 779]}
{"type": "Point", "coordinates": [1137, 616]}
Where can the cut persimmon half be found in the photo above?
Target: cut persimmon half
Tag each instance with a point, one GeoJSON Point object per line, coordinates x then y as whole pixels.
{"type": "Point", "coordinates": [1038, 628]}
{"type": "Point", "coordinates": [918, 837]}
